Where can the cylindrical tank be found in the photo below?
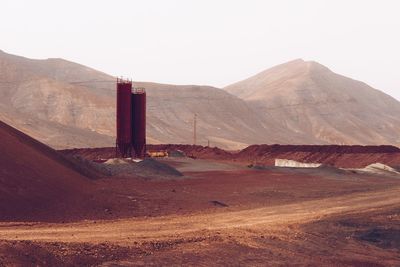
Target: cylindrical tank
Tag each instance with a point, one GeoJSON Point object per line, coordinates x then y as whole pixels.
{"type": "Point", "coordinates": [124, 119]}
{"type": "Point", "coordinates": [138, 122]}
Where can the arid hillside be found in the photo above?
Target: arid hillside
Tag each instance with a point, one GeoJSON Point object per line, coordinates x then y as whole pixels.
{"type": "Point", "coordinates": [225, 120]}
{"type": "Point", "coordinates": [65, 104]}
{"type": "Point", "coordinates": [307, 98]}
{"type": "Point", "coordinates": [43, 99]}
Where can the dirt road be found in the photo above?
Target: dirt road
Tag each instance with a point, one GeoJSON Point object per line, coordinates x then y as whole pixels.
{"type": "Point", "coordinates": [174, 227]}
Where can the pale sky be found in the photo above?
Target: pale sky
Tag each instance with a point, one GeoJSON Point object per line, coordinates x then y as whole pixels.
{"type": "Point", "coordinates": [212, 42]}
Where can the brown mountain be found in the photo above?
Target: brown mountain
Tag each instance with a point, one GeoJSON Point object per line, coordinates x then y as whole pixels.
{"type": "Point", "coordinates": [65, 104]}
{"type": "Point", "coordinates": [307, 98]}
{"type": "Point", "coordinates": [42, 98]}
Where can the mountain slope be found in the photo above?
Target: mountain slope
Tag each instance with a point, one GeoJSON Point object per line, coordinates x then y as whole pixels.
{"type": "Point", "coordinates": [36, 96]}
{"type": "Point", "coordinates": [65, 104]}
{"type": "Point", "coordinates": [308, 98]}
{"type": "Point", "coordinates": [225, 120]}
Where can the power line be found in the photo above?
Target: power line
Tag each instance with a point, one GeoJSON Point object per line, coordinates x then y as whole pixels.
{"type": "Point", "coordinates": [194, 129]}
{"type": "Point", "coordinates": [91, 81]}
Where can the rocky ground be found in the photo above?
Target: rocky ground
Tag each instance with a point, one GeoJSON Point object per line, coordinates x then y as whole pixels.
{"type": "Point", "coordinates": [222, 214]}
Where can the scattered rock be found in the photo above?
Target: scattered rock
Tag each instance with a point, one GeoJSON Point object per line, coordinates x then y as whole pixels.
{"type": "Point", "coordinates": [218, 203]}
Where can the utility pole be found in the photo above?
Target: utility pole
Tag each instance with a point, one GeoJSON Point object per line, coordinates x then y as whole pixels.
{"type": "Point", "coordinates": [194, 129]}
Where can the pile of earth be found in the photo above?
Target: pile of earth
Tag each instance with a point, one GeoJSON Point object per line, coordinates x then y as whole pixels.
{"type": "Point", "coordinates": [381, 169]}
{"type": "Point", "coordinates": [36, 182]}
{"type": "Point", "coordinates": [100, 154]}
{"type": "Point", "coordinates": [149, 168]}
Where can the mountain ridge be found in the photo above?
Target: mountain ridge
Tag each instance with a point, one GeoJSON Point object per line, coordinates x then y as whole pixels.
{"type": "Point", "coordinates": [297, 90]}
{"type": "Point", "coordinates": [66, 105]}
{"type": "Point", "coordinates": [64, 96]}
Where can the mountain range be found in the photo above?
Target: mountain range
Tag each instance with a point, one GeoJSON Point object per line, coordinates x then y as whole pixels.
{"type": "Point", "coordinates": [65, 105]}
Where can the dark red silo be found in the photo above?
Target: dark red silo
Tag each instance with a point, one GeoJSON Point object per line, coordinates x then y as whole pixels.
{"type": "Point", "coordinates": [124, 119]}
{"type": "Point", "coordinates": [139, 122]}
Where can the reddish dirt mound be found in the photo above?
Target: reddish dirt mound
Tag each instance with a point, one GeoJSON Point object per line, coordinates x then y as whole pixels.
{"type": "Point", "coordinates": [319, 149]}
{"type": "Point", "coordinates": [334, 155]}
{"type": "Point", "coordinates": [36, 182]}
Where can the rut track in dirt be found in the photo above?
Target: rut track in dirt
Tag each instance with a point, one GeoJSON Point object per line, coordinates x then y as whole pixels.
{"type": "Point", "coordinates": [174, 227]}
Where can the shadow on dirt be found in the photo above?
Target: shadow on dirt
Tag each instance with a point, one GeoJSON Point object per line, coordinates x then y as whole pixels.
{"type": "Point", "coordinates": [384, 238]}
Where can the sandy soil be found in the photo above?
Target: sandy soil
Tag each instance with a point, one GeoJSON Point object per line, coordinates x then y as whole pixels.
{"type": "Point", "coordinates": [229, 216]}
{"type": "Point", "coordinates": [55, 212]}
{"type": "Point", "coordinates": [169, 227]}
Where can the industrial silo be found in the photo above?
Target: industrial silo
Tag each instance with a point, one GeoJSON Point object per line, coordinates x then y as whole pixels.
{"type": "Point", "coordinates": [124, 119]}
{"type": "Point", "coordinates": [138, 117]}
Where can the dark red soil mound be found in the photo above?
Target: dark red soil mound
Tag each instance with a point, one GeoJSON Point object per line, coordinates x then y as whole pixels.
{"type": "Point", "coordinates": [356, 149]}
{"type": "Point", "coordinates": [334, 155]}
{"type": "Point", "coordinates": [36, 182]}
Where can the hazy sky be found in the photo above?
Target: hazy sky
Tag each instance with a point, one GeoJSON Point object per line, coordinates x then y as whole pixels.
{"type": "Point", "coordinates": [214, 42]}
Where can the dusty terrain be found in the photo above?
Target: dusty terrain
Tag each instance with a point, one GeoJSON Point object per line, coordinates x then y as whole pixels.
{"type": "Point", "coordinates": [58, 209]}
{"type": "Point", "coordinates": [225, 217]}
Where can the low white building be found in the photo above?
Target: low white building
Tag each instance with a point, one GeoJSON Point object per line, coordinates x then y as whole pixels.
{"type": "Point", "coordinates": [295, 164]}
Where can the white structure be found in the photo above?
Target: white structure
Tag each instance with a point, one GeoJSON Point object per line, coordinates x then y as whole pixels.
{"type": "Point", "coordinates": [295, 164]}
